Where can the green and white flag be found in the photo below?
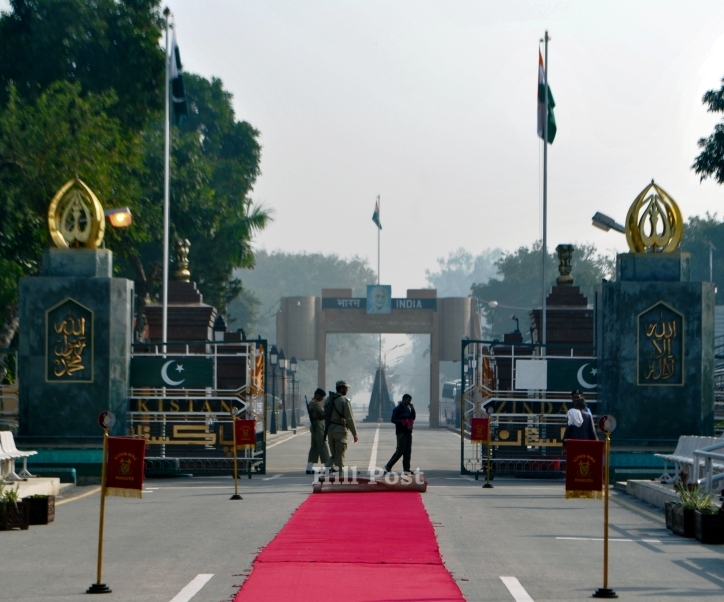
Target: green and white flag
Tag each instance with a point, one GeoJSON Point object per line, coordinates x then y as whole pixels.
{"type": "Point", "coordinates": [376, 214]}
{"type": "Point", "coordinates": [178, 93]}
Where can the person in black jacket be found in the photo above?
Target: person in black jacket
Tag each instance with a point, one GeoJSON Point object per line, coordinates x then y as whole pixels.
{"type": "Point", "coordinates": [403, 416]}
{"type": "Point", "coordinates": [580, 423]}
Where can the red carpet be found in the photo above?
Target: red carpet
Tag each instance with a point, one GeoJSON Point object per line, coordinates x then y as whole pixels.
{"type": "Point", "coordinates": [353, 547]}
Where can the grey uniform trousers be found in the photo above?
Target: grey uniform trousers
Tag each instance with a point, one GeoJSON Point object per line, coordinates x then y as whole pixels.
{"type": "Point", "coordinates": [318, 451]}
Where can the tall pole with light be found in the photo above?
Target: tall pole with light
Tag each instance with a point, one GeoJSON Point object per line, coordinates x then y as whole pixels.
{"type": "Point", "coordinates": [273, 359]}
{"type": "Point", "coordinates": [492, 305]}
{"type": "Point", "coordinates": [293, 372]}
{"type": "Point", "coordinates": [283, 367]}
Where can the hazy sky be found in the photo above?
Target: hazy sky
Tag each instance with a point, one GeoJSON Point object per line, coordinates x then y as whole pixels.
{"type": "Point", "coordinates": [432, 105]}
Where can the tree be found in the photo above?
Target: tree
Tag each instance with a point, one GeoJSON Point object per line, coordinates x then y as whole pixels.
{"type": "Point", "coordinates": [460, 270]}
{"type": "Point", "coordinates": [710, 162]}
{"type": "Point", "coordinates": [101, 45]}
{"type": "Point", "coordinates": [517, 290]}
{"type": "Point", "coordinates": [698, 234]}
{"type": "Point", "coordinates": [214, 165]}
{"type": "Point", "coordinates": [42, 145]}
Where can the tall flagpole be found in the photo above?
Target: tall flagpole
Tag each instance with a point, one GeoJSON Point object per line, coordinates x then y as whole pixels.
{"type": "Point", "coordinates": [166, 191]}
{"type": "Point", "coordinates": [379, 386]}
{"type": "Point", "coordinates": [544, 249]}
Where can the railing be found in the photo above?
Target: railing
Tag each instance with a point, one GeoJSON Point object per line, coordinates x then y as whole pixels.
{"type": "Point", "coordinates": [707, 455]}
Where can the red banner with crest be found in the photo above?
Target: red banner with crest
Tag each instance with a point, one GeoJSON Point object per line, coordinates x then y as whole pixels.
{"type": "Point", "coordinates": [479, 430]}
{"type": "Point", "coordinates": [245, 434]}
{"type": "Point", "coordinates": [584, 468]}
{"type": "Point", "coordinates": [124, 470]}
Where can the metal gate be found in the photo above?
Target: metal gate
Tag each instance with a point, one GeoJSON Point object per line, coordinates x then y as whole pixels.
{"type": "Point", "coordinates": [527, 396]}
{"type": "Point", "coordinates": [181, 402]}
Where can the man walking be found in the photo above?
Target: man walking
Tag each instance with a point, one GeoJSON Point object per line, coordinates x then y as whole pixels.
{"type": "Point", "coordinates": [340, 421]}
{"type": "Point", "coordinates": [404, 417]}
{"type": "Point", "coordinates": [318, 451]}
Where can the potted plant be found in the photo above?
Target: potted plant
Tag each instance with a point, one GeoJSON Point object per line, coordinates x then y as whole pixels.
{"type": "Point", "coordinates": [41, 508]}
{"type": "Point", "coordinates": [13, 513]}
{"type": "Point", "coordinates": [709, 524]}
{"type": "Point", "coordinates": [683, 516]}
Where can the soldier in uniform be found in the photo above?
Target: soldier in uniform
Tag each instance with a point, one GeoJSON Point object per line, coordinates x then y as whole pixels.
{"type": "Point", "coordinates": [341, 422]}
{"type": "Point", "coordinates": [318, 451]}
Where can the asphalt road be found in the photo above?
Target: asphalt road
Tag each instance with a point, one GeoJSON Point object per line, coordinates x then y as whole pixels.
{"type": "Point", "coordinates": [547, 547]}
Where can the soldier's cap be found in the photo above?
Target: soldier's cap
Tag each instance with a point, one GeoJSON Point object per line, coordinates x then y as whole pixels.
{"type": "Point", "coordinates": [342, 383]}
{"type": "Point", "coordinates": [321, 392]}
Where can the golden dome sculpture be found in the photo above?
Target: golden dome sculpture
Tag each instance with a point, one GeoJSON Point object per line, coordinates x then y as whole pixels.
{"type": "Point", "coordinates": [654, 223]}
{"type": "Point", "coordinates": [75, 217]}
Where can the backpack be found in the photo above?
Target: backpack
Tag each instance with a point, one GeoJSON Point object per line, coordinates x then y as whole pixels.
{"type": "Point", "coordinates": [330, 410]}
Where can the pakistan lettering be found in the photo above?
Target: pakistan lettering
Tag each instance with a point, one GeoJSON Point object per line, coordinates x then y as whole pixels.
{"type": "Point", "coordinates": [69, 346]}
{"type": "Point", "coordinates": [662, 363]}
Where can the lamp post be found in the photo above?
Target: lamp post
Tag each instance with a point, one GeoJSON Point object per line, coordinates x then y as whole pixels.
{"type": "Point", "coordinates": [492, 305]}
{"type": "Point", "coordinates": [273, 358]}
{"type": "Point", "coordinates": [293, 371]}
{"type": "Point", "coordinates": [606, 223]}
{"type": "Point", "coordinates": [283, 368]}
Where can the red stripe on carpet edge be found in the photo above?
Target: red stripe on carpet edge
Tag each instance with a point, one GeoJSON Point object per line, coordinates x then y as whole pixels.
{"type": "Point", "coordinates": [362, 547]}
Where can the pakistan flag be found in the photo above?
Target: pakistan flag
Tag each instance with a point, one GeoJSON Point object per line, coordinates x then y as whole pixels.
{"type": "Point", "coordinates": [570, 374]}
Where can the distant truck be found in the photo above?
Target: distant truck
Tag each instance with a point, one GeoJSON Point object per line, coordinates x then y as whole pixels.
{"type": "Point", "coordinates": [450, 402]}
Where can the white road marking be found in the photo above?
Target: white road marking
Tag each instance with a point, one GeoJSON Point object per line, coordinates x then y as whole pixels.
{"type": "Point", "coordinates": [280, 442]}
{"type": "Point", "coordinates": [276, 476]}
{"type": "Point", "coordinates": [516, 589]}
{"type": "Point", "coordinates": [373, 456]}
{"type": "Point", "coordinates": [192, 588]}
{"type": "Point", "coordinates": [609, 539]}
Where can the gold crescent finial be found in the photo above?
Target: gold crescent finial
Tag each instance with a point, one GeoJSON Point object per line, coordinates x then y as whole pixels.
{"type": "Point", "coordinates": [75, 217]}
{"type": "Point", "coordinates": [654, 223]}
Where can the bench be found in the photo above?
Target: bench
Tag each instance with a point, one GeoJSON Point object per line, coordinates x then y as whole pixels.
{"type": "Point", "coordinates": [684, 456]}
{"type": "Point", "coordinates": [7, 445]}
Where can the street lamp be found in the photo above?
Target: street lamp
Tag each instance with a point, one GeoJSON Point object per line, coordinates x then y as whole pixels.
{"type": "Point", "coordinates": [219, 329]}
{"type": "Point", "coordinates": [492, 305]}
{"type": "Point", "coordinates": [517, 322]}
{"type": "Point", "coordinates": [120, 217]}
{"type": "Point", "coordinates": [293, 371]}
{"type": "Point", "coordinates": [273, 358]}
{"type": "Point", "coordinates": [605, 223]}
{"type": "Point", "coordinates": [283, 368]}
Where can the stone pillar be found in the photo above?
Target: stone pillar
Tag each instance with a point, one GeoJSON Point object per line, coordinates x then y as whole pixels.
{"type": "Point", "coordinates": [435, 371]}
{"type": "Point", "coordinates": [656, 351]}
{"type": "Point", "coordinates": [74, 348]}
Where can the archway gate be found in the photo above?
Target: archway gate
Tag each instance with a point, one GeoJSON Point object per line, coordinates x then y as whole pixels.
{"type": "Point", "coordinates": [304, 322]}
{"type": "Point", "coordinates": [528, 395]}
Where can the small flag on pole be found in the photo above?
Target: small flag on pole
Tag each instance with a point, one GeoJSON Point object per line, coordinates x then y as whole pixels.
{"type": "Point", "coordinates": [178, 93]}
{"type": "Point", "coordinates": [542, 104]}
{"type": "Point", "coordinates": [125, 467]}
{"type": "Point", "coordinates": [376, 214]}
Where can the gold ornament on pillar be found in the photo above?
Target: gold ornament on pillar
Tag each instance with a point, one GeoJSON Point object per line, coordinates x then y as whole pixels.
{"type": "Point", "coordinates": [182, 248]}
{"type": "Point", "coordinates": [75, 217]}
{"type": "Point", "coordinates": [654, 223]}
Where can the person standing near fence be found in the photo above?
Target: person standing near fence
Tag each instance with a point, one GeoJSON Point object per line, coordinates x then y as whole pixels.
{"type": "Point", "coordinates": [403, 416]}
{"type": "Point", "coordinates": [318, 450]}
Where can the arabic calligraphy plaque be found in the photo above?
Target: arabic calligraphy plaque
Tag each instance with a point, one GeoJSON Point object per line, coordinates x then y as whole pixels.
{"type": "Point", "coordinates": [660, 354]}
{"type": "Point", "coordinates": [69, 343]}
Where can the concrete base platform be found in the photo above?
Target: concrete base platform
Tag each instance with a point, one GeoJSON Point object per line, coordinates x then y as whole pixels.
{"type": "Point", "coordinates": [653, 492]}
{"type": "Point", "coordinates": [38, 486]}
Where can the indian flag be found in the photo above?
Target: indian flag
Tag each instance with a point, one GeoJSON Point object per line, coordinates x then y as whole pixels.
{"type": "Point", "coordinates": [542, 104]}
{"type": "Point", "coordinates": [376, 214]}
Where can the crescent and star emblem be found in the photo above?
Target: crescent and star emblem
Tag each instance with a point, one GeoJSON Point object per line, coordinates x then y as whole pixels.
{"type": "Point", "coordinates": [167, 379]}
{"type": "Point", "coordinates": [582, 381]}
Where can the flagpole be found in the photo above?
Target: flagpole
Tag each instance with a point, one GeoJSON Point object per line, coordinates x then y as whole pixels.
{"type": "Point", "coordinates": [379, 372]}
{"type": "Point", "coordinates": [166, 192]}
{"type": "Point", "coordinates": [544, 246]}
